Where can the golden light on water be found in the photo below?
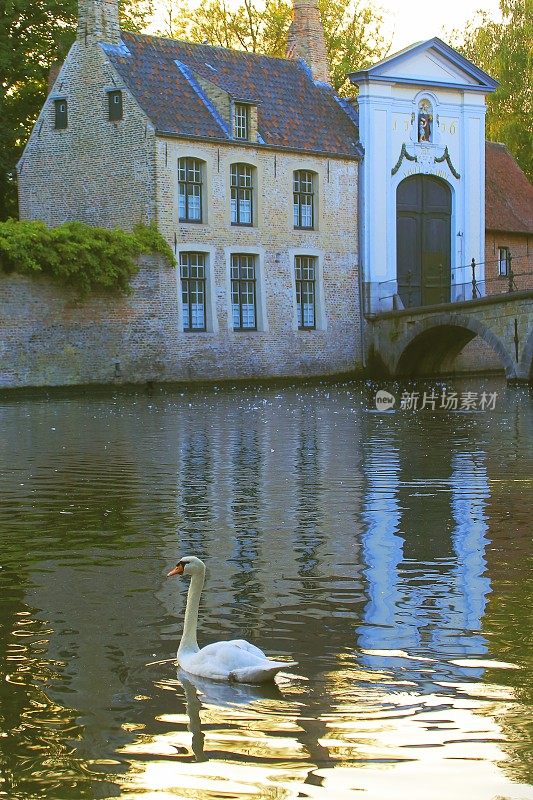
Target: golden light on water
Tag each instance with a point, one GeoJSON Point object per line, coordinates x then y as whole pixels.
{"type": "Point", "coordinates": [379, 745]}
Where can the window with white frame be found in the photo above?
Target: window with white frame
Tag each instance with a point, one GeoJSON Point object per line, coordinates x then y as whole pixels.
{"type": "Point", "coordinates": [244, 291]}
{"type": "Point", "coordinates": [190, 189]}
{"type": "Point", "coordinates": [303, 199]}
{"type": "Point", "coordinates": [242, 189]}
{"type": "Point", "coordinates": [305, 271]}
{"type": "Point", "coordinates": [193, 291]}
{"type": "Point", "coordinates": [241, 121]}
{"type": "Point", "coordinates": [504, 260]}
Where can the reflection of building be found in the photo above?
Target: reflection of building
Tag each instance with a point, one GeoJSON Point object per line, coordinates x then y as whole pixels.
{"type": "Point", "coordinates": [145, 478]}
{"type": "Point", "coordinates": [426, 588]}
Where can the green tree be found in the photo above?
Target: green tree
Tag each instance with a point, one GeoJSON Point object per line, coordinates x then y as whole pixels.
{"type": "Point", "coordinates": [504, 50]}
{"type": "Point", "coordinates": [33, 36]}
{"type": "Point", "coordinates": [353, 30]}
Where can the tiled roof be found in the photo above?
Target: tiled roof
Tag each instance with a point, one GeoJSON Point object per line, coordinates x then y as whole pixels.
{"type": "Point", "coordinates": [508, 193]}
{"type": "Point", "coordinates": [293, 111]}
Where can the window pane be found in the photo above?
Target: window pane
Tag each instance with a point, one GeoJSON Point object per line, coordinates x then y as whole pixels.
{"type": "Point", "coordinates": [194, 202]}
{"type": "Point", "coordinates": [190, 189]}
{"type": "Point", "coordinates": [248, 315]}
{"type": "Point", "coordinates": [182, 205]}
{"type": "Point", "coordinates": [243, 291]}
{"type": "Point", "coordinates": [233, 205]}
{"type": "Point", "coordinates": [305, 272]}
{"type": "Point", "coordinates": [309, 315]}
{"type": "Point", "coordinates": [192, 269]}
{"type": "Point", "coordinates": [185, 296]}
{"type": "Point", "coordinates": [307, 214]}
{"type": "Point", "coordinates": [194, 170]}
{"type": "Point", "coordinates": [306, 182]}
{"type": "Point", "coordinates": [296, 213]}
{"type": "Point", "coordinates": [245, 209]}
{"type": "Point", "coordinates": [241, 121]}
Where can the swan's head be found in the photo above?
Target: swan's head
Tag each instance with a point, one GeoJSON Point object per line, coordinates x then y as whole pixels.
{"type": "Point", "coordinates": [188, 565]}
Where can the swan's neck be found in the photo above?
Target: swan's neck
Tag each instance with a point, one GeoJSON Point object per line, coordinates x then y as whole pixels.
{"type": "Point", "coordinates": [188, 639]}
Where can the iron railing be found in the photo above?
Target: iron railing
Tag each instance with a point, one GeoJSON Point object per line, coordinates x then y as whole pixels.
{"type": "Point", "coordinates": [474, 288]}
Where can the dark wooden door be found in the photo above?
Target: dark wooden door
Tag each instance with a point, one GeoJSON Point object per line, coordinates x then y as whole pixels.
{"type": "Point", "coordinates": [423, 234]}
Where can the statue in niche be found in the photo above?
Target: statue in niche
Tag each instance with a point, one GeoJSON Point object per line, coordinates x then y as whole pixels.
{"type": "Point", "coordinates": [425, 121]}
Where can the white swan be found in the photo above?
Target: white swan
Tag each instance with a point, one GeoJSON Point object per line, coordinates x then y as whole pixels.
{"type": "Point", "coordinates": [236, 660]}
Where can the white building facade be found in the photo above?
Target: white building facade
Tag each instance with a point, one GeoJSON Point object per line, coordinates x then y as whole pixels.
{"type": "Point", "coordinates": [422, 212]}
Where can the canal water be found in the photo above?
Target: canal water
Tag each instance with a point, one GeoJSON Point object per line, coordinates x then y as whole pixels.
{"type": "Point", "coordinates": [386, 552]}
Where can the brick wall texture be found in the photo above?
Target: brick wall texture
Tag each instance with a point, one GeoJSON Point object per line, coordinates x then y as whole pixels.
{"type": "Point", "coordinates": [521, 248]}
{"type": "Point", "coordinates": [96, 171]}
{"type": "Point", "coordinates": [48, 338]}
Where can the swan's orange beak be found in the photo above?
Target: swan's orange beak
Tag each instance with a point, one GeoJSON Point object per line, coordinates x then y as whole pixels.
{"type": "Point", "coordinates": [178, 570]}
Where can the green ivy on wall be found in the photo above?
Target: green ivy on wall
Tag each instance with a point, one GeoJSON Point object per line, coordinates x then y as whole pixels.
{"type": "Point", "coordinates": [78, 256]}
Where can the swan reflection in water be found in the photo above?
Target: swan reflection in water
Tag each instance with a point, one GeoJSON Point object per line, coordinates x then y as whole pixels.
{"type": "Point", "coordinates": [200, 692]}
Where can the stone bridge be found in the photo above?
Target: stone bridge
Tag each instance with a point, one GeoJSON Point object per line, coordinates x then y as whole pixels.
{"type": "Point", "coordinates": [426, 340]}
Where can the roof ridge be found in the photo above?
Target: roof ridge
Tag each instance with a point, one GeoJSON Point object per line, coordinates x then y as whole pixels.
{"type": "Point", "coordinates": [218, 47]}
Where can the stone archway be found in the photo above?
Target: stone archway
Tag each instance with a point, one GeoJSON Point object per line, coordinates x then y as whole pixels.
{"type": "Point", "coordinates": [436, 341]}
{"type": "Point", "coordinates": [423, 240]}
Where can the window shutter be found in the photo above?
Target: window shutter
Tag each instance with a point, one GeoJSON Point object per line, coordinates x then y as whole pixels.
{"type": "Point", "coordinates": [115, 105]}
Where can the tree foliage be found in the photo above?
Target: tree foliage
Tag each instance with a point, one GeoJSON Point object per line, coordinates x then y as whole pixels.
{"type": "Point", "coordinates": [81, 257]}
{"type": "Point", "coordinates": [353, 30]}
{"type": "Point", "coordinates": [505, 50]}
{"type": "Point", "coordinates": [33, 36]}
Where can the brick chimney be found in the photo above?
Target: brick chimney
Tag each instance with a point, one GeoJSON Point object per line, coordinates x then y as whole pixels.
{"type": "Point", "coordinates": [98, 21]}
{"type": "Point", "coordinates": [306, 39]}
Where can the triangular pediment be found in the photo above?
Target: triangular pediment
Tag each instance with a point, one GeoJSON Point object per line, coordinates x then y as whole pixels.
{"type": "Point", "coordinates": [428, 63]}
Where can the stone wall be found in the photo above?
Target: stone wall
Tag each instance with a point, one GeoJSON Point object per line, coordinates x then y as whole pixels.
{"type": "Point", "coordinates": [95, 170]}
{"type": "Point", "coordinates": [48, 338]}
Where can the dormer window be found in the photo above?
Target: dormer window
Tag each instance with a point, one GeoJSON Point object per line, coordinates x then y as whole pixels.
{"type": "Point", "coordinates": [60, 114]}
{"type": "Point", "coordinates": [425, 120]}
{"type": "Point", "coordinates": [115, 105]}
{"type": "Point", "coordinates": [241, 121]}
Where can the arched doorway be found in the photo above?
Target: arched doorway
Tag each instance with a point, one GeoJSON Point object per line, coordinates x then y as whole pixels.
{"type": "Point", "coordinates": [423, 240]}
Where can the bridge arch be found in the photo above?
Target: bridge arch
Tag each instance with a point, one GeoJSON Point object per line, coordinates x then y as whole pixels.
{"type": "Point", "coordinates": [432, 345]}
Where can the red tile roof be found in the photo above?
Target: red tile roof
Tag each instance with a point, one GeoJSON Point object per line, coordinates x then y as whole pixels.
{"type": "Point", "coordinates": [167, 77]}
{"type": "Point", "coordinates": [508, 193]}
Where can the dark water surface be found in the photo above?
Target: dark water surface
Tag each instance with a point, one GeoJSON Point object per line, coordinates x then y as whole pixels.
{"type": "Point", "coordinates": [386, 553]}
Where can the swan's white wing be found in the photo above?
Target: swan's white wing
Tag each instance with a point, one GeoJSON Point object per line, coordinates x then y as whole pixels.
{"type": "Point", "coordinates": [250, 648]}
{"type": "Point", "coordinates": [218, 660]}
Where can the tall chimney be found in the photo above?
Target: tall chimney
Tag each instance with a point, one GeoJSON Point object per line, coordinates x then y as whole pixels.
{"type": "Point", "coordinates": [98, 21]}
{"type": "Point", "coordinates": [306, 39]}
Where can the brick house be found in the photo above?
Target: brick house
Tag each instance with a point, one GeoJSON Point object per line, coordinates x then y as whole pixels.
{"type": "Point", "coordinates": [508, 222]}
{"type": "Point", "coordinates": [247, 164]}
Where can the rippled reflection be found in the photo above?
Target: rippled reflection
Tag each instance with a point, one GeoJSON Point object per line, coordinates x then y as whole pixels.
{"type": "Point", "coordinates": [387, 554]}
